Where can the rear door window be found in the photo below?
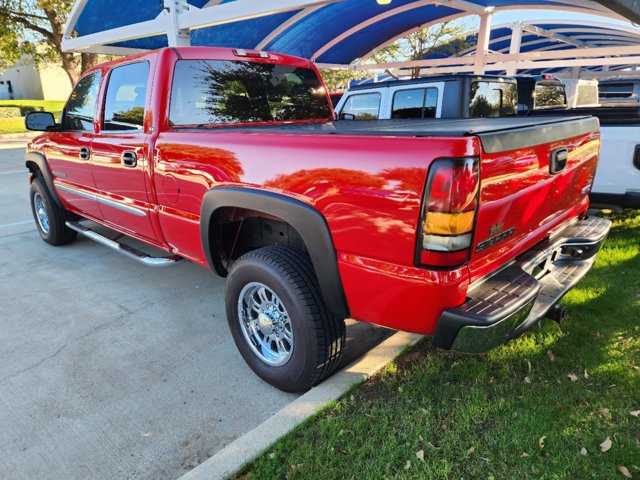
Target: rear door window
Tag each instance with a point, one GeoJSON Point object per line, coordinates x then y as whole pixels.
{"type": "Point", "coordinates": [493, 99]}
{"type": "Point", "coordinates": [363, 106]}
{"type": "Point", "coordinates": [80, 108]}
{"type": "Point", "coordinates": [415, 103]}
{"type": "Point", "coordinates": [126, 94]}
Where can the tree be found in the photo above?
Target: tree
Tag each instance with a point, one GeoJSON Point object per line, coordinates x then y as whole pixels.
{"type": "Point", "coordinates": [338, 80]}
{"type": "Point", "coordinates": [445, 39]}
{"type": "Point", "coordinates": [35, 28]}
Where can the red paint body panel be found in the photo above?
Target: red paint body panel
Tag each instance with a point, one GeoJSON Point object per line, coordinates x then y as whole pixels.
{"type": "Point", "coordinates": [518, 191]}
{"type": "Point", "coordinates": [62, 151]}
{"type": "Point", "coordinates": [369, 190]}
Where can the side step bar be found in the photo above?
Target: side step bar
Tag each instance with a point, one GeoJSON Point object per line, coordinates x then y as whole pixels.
{"type": "Point", "coordinates": [123, 248]}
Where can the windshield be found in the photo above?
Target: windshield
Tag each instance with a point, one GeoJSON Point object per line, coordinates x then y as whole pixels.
{"type": "Point", "coordinates": [208, 92]}
{"type": "Point", "coordinates": [493, 99]}
{"type": "Point", "coordinates": [549, 96]}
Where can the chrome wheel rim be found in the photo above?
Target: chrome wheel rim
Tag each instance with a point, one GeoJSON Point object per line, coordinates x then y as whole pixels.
{"type": "Point", "coordinates": [265, 324]}
{"type": "Point", "coordinates": [41, 213]}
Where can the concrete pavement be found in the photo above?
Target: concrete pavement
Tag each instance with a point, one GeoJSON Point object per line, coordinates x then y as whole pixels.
{"type": "Point", "coordinates": [109, 369]}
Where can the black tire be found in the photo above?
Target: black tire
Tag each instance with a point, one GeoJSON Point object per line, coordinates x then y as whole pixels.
{"type": "Point", "coordinates": [318, 337]}
{"type": "Point", "coordinates": [57, 233]}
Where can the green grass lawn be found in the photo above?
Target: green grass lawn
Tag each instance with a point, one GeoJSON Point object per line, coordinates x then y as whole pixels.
{"type": "Point", "coordinates": [537, 408]}
{"type": "Point", "coordinates": [16, 124]}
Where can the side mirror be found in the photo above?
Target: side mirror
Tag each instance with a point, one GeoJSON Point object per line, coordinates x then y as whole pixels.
{"type": "Point", "coordinates": [39, 121]}
{"type": "Point", "coordinates": [347, 116]}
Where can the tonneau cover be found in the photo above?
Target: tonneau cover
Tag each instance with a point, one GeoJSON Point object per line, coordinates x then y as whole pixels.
{"type": "Point", "coordinates": [497, 134]}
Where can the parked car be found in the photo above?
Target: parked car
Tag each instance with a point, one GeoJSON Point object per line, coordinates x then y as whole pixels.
{"type": "Point", "coordinates": [438, 96]}
{"type": "Point", "coordinates": [540, 92]}
{"type": "Point", "coordinates": [471, 230]}
{"type": "Point", "coordinates": [617, 181]}
{"type": "Point", "coordinates": [619, 91]}
{"type": "Point", "coordinates": [581, 92]}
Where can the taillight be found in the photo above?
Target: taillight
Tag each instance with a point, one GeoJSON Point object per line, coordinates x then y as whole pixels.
{"type": "Point", "coordinates": [449, 212]}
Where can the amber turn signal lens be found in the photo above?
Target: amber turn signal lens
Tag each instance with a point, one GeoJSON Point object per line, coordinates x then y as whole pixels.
{"type": "Point", "coordinates": [438, 223]}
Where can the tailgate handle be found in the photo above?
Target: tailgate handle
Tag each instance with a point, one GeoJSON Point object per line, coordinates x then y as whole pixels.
{"type": "Point", "coordinates": [558, 161]}
{"type": "Point", "coordinates": [636, 157]}
{"type": "Point", "coordinates": [129, 158]}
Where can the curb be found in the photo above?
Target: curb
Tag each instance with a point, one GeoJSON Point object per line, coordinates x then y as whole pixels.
{"type": "Point", "coordinates": [234, 456]}
{"type": "Point", "coordinates": [18, 136]}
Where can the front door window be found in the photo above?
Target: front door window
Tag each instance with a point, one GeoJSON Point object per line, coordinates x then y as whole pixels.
{"type": "Point", "coordinates": [80, 108]}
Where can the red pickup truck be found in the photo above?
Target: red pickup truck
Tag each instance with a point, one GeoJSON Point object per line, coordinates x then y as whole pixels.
{"type": "Point", "coordinates": [468, 229]}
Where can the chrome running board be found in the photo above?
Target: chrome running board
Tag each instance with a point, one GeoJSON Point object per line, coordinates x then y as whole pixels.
{"type": "Point", "coordinates": [123, 248]}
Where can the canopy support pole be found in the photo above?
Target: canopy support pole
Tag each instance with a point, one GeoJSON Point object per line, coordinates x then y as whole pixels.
{"type": "Point", "coordinates": [514, 47]}
{"type": "Point", "coordinates": [177, 37]}
{"type": "Point", "coordinates": [483, 43]}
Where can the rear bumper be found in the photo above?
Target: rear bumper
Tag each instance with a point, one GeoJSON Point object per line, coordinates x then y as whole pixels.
{"type": "Point", "coordinates": [505, 304]}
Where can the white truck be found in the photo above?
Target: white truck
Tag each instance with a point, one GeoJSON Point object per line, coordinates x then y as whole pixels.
{"type": "Point", "coordinates": [617, 180]}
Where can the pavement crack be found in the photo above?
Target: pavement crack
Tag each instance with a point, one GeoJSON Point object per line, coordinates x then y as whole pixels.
{"type": "Point", "coordinates": [35, 365]}
{"type": "Point", "coordinates": [90, 332]}
{"type": "Point", "coordinates": [127, 312]}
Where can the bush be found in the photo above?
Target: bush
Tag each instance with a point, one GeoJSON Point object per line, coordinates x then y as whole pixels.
{"type": "Point", "coordinates": [13, 111]}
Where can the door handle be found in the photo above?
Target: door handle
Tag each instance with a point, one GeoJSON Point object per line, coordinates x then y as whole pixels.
{"type": "Point", "coordinates": [85, 153]}
{"type": "Point", "coordinates": [129, 159]}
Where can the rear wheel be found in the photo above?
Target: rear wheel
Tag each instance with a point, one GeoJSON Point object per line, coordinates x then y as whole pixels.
{"type": "Point", "coordinates": [49, 216]}
{"type": "Point", "coordinates": [279, 321]}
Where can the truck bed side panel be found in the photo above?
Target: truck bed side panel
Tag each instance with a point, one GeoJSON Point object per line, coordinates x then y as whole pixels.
{"type": "Point", "coordinates": [367, 188]}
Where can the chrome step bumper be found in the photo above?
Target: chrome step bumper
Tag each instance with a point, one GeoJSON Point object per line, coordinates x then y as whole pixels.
{"type": "Point", "coordinates": [505, 304]}
{"type": "Point", "coordinates": [123, 248]}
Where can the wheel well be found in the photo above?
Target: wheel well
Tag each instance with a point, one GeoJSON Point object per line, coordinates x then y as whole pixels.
{"type": "Point", "coordinates": [236, 231]}
{"type": "Point", "coordinates": [34, 169]}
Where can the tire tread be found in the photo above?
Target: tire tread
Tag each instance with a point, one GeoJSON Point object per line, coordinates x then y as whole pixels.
{"type": "Point", "coordinates": [296, 269]}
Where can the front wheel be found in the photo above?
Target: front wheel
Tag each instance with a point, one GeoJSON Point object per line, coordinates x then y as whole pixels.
{"type": "Point", "coordinates": [279, 321]}
{"type": "Point", "coordinates": [49, 217]}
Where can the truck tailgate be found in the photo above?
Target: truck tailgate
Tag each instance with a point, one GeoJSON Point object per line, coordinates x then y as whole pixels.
{"type": "Point", "coordinates": [532, 180]}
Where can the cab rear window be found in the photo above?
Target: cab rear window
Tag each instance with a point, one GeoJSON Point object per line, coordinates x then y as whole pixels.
{"type": "Point", "coordinates": [493, 99]}
{"type": "Point", "coordinates": [209, 92]}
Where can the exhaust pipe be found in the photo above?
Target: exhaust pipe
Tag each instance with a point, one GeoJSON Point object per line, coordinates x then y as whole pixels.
{"type": "Point", "coordinates": [557, 313]}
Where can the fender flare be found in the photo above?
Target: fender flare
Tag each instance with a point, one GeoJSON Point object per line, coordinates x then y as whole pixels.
{"type": "Point", "coordinates": [40, 161]}
{"type": "Point", "coordinates": [308, 222]}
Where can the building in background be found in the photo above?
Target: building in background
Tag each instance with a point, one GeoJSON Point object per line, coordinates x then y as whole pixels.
{"type": "Point", "coordinates": [26, 81]}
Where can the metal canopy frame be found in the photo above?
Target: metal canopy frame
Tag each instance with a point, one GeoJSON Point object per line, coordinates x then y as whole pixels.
{"type": "Point", "coordinates": [563, 33]}
{"type": "Point", "coordinates": [178, 19]}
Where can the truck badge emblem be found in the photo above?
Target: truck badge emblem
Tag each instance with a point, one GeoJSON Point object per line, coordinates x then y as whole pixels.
{"type": "Point", "coordinates": [497, 236]}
